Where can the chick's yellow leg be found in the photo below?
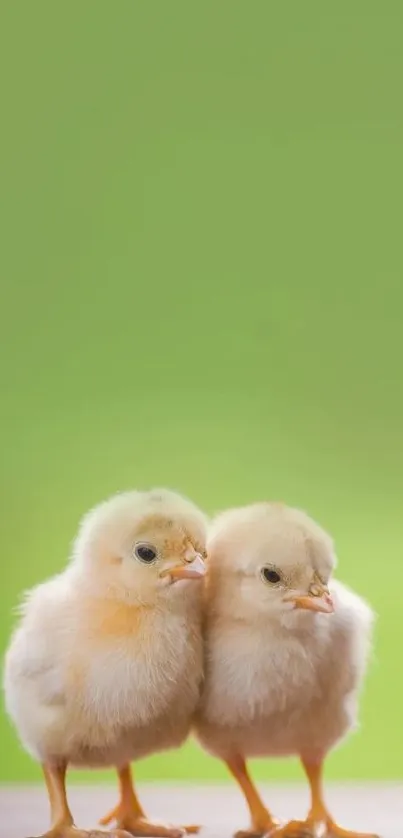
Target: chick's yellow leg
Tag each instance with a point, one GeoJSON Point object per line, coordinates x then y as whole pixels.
{"type": "Point", "coordinates": [318, 813]}
{"type": "Point", "coordinates": [61, 817]}
{"type": "Point", "coordinates": [319, 824]}
{"type": "Point", "coordinates": [130, 816]}
{"type": "Point", "coordinates": [129, 804]}
{"type": "Point", "coordinates": [262, 821]}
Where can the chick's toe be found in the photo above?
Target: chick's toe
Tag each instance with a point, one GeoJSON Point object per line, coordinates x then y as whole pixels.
{"type": "Point", "coordinates": [335, 831]}
{"type": "Point", "coordinates": [143, 828]}
{"type": "Point", "coordinates": [74, 832]}
{"type": "Point", "coordinates": [315, 829]}
{"type": "Point", "coordinates": [297, 829]}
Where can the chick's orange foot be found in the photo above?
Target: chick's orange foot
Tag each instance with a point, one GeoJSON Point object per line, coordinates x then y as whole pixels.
{"type": "Point", "coordinates": [129, 814]}
{"type": "Point", "coordinates": [317, 829]}
{"type": "Point", "coordinates": [260, 830]}
{"type": "Point", "coordinates": [297, 829]}
{"type": "Point", "coordinates": [335, 831]}
{"type": "Point", "coordinates": [254, 833]}
{"type": "Point", "coordinates": [74, 832]}
{"type": "Point", "coordinates": [141, 827]}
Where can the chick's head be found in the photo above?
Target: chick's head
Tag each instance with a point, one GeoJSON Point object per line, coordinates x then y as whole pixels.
{"type": "Point", "coordinates": [142, 545]}
{"type": "Point", "coordinates": [269, 559]}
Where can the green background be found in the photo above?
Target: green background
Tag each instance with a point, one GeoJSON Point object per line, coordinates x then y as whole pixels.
{"type": "Point", "coordinates": [201, 286]}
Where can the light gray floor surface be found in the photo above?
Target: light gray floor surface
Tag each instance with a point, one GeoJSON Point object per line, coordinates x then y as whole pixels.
{"type": "Point", "coordinates": [374, 808]}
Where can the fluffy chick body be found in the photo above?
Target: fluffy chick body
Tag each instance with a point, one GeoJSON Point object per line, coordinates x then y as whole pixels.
{"type": "Point", "coordinates": [106, 664]}
{"type": "Point", "coordinates": [279, 680]}
{"type": "Point", "coordinates": [285, 688]}
{"type": "Point", "coordinates": [98, 685]}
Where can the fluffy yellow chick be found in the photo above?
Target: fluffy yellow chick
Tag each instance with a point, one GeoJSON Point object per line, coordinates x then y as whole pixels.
{"type": "Point", "coordinates": [286, 650]}
{"type": "Point", "coordinates": [106, 664]}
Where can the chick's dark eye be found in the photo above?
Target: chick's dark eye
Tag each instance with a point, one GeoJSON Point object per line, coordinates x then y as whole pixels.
{"type": "Point", "coordinates": [271, 576]}
{"type": "Point", "coordinates": [146, 553]}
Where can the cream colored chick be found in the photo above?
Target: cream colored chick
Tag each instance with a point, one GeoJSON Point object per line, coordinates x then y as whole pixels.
{"type": "Point", "coordinates": [286, 650]}
{"type": "Point", "coordinates": [106, 664]}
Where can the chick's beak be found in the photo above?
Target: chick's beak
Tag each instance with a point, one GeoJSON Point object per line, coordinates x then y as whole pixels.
{"type": "Point", "coordinates": [194, 569]}
{"type": "Point", "coordinates": [318, 599]}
